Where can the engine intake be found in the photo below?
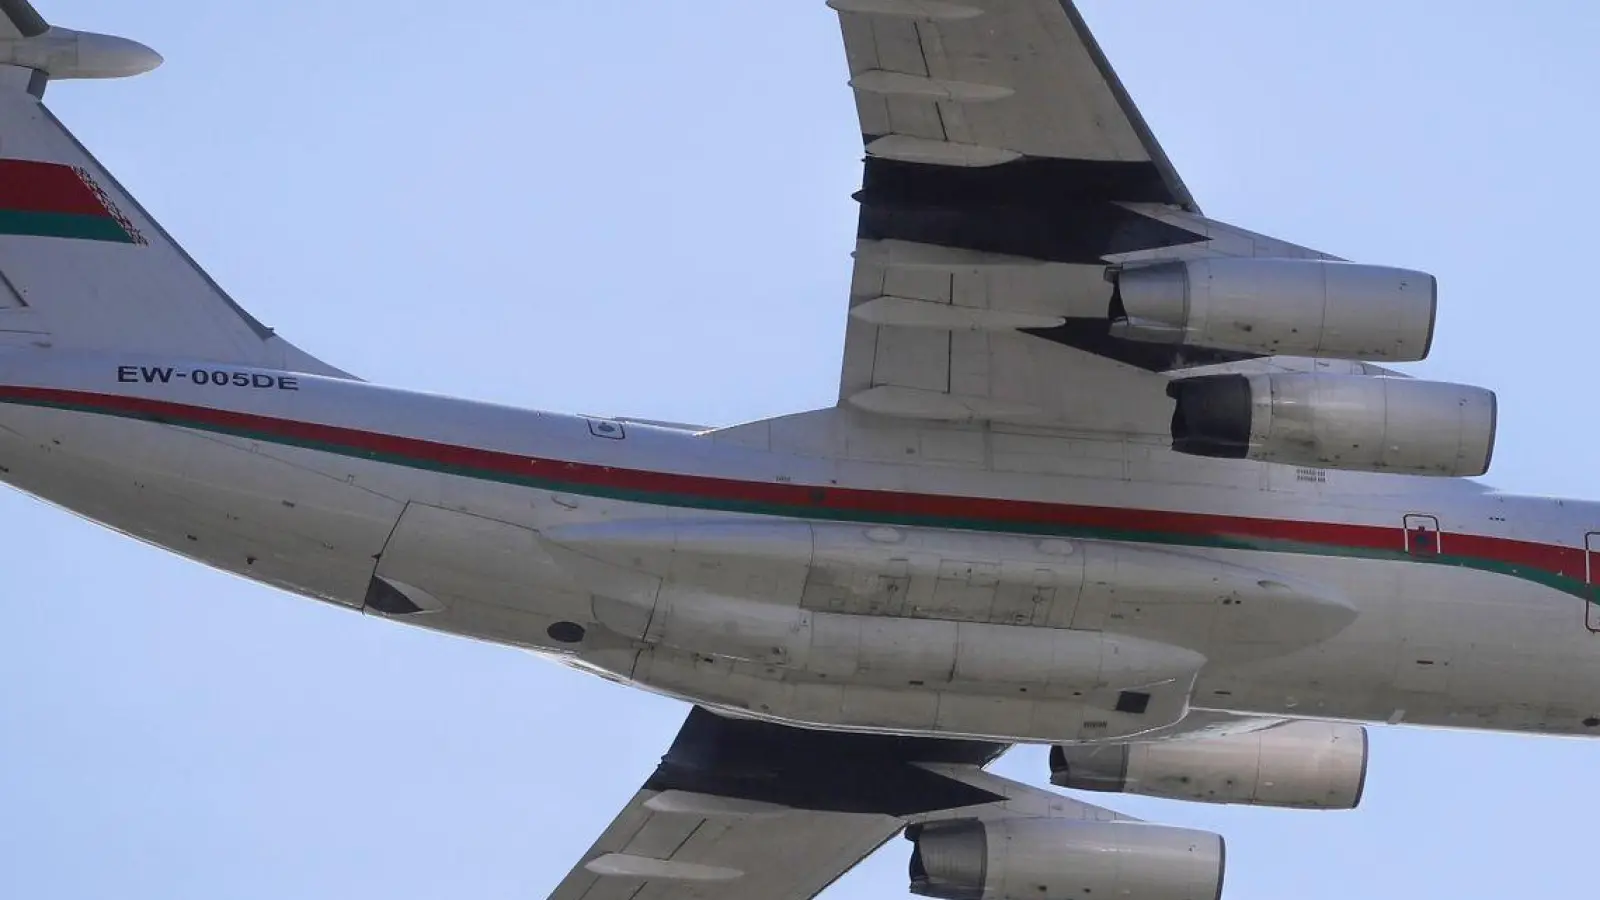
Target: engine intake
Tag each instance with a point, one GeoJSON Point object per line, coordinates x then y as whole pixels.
{"type": "Point", "coordinates": [1297, 765]}
{"type": "Point", "coordinates": [1061, 859]}
{"type": "Point", "coordinates": [1305, 307]}
{"type": "Point", "coordinates": [1359, 422]}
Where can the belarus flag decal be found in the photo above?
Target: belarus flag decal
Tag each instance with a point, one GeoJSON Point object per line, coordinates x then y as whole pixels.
{"type": "Point", "coordinates": [53, 200]}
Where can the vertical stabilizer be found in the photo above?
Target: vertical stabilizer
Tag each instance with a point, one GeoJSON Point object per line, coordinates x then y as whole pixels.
{"type": "Point", "coordinates": [82, 265]}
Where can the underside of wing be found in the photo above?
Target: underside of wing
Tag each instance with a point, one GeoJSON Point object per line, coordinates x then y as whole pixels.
{"type": "Point", "coordinates": [666, 846]}
{"type": "Point", "coordinates": [18, 19]}
{"type": "Point", "coordinates": [981, 84]}
{"type": "Point", "coordinates": [743, 809]}
{"type": "Point", "coordinates": [1007, 175]}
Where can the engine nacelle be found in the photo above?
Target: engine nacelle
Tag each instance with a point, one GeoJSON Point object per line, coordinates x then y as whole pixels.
{"type": "Point", "coordinates": [1060, 859]}
{"type": "Point", "coordinates": [1297, 765]}
{"type": "Point", "coordinates": [1306, 307]}
{"type": "Point", "coordinates": [1359, 422]}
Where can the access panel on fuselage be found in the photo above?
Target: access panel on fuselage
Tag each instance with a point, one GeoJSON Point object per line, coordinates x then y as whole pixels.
{"type": "Point", "coordinates": [1422, 535]}
{"type": "Point", "coordinates": [1591, 571]}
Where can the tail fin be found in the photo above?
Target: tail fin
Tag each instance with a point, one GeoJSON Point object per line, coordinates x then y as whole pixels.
{"type": "Point", "coordinates": [82, 265]}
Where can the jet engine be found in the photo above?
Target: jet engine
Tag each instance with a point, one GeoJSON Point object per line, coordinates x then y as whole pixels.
{"type": "Point", "coordinates": [1308, 307]}
{"type": "Point", "coordinates": [1297, 765]}
{"type": "Point", "coordinates": [1061, 859]}
{"type": "Point", "coordinates": [1360, 422]}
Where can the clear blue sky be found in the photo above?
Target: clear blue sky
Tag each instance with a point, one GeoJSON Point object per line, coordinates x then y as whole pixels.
{"type": "Point", "coordinates": [643, 208]}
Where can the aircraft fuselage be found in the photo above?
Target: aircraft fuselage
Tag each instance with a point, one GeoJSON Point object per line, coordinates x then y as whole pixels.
{"type": "Point", "coordinates": [834, 586]}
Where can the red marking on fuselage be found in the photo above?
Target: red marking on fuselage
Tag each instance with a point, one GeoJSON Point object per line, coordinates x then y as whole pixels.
{"type": "Point", "coordinates": [799, 500]}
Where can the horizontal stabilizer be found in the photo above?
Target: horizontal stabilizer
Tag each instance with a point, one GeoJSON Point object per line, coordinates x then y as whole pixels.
{"type": "Point", "coordinates": [64, 53]}
{"type": "Point", "coordinates": [29, 42]}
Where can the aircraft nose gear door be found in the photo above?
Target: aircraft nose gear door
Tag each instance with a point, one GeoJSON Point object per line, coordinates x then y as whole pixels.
{"type": "Point", "coordinates": [1591, 576]}
{"type": "Point", "coordinates": [1422, 535]}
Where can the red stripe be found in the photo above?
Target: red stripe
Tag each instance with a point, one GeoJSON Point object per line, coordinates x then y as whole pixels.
{"type": "Point", "coordinates": [1333, 536]}
{"type": "Point", "coordinates": [28, 186]}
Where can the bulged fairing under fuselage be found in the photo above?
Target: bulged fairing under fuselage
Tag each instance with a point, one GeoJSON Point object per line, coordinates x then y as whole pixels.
{"type": "Point", "coordinates": [830, 586]}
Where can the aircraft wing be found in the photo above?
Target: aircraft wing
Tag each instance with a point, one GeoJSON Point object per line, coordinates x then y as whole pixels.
{"type": "Point", "coordinates": [744, 809]}
{"type": "Point", "coordinates": [18, 19]}
{"type": "Point", "coordinates": [666, 855]}
{"type": "Point", "coordinates": [1005, 169]}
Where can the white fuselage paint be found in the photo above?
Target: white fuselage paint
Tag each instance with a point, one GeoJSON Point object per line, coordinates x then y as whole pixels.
{"type": "Point", "coordinates": [836, 589]}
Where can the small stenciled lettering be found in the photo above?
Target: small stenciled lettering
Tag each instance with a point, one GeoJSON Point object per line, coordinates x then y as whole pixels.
{"type": "Point", "coordinates": [207, 377]}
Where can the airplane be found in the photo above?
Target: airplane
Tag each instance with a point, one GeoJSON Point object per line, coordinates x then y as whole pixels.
{"type": "Point", "coordinates": [1104, 474]}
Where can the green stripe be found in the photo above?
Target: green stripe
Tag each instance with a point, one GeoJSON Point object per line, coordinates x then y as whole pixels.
{"type": "Point", "coordinates": [1555, 581]}
{"type": "Point", "coordinates": [66, 225]}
